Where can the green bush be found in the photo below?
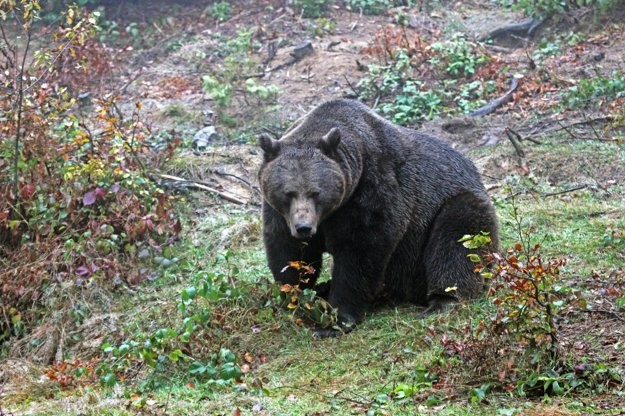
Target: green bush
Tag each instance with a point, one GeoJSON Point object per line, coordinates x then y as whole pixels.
{"type": "Point", "coordinates": [413, 104]}
{"type": "Point", "coordinates": [591, 91]}
{"type": "Point", "coordinates": [458, 57]}
{"type": "Point", "coordinates": [221, 11]}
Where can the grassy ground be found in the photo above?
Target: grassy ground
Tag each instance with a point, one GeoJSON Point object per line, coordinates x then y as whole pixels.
{"type": "Point", "coordinates": [392, 364]}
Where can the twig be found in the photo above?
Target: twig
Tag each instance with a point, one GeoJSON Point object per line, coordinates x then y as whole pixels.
{"type": "Point", "coordinates": [20, 109]}
{"type": "Point", "coordinates": [130, 81]}
{"type": "Point", "coordinates": [593, 128]}
{"type": "Point", "coordinates": [204, 187]}
{"type": "Point", "coordinates": [350, 85]}
{"type": "Point", "coordinates": [566, 129]}
{"type": "Point", "coordinates": [272, 50]}
{"type": "Point", "coordinates": [575, 188]}
{"type": "Point", "coordinates": [356, 22]}
{"type": "Point", "coordinates": [515, 139]}
{"type": "Point", "coordinates": [377, 100]}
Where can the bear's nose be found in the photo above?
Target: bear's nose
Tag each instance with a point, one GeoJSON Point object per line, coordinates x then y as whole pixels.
{"type": "Point", "coordinates": [303, 228]}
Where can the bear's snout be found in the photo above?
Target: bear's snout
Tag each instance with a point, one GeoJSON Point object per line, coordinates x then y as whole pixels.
{"type": "Point", "coordinates": [303, 221]}
{"type": "Point", "coordinates": [303, 230]}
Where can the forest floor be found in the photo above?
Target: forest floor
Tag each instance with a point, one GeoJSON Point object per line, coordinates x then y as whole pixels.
{"type": "Point", "coordinates": [564, 188]}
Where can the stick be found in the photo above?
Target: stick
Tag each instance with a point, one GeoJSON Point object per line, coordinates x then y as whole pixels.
{"type": "Point", "coordinates": [515, 139]}
{"type": "Point", "coordinates": [566, 129]}
{"type": "Point", "coordinates": [245, 181]}
{"type": "Point", "coordinates": [204, 187]}
{"type": "Point", "coordinates": [575, 188]}
{"type": "Point", "coordinates": [350, 85]}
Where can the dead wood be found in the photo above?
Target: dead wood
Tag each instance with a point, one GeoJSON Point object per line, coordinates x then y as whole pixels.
{"type": "Point", "coordinates": [204, 187]}
{"type": "Point", "coordinates": [514, 35]}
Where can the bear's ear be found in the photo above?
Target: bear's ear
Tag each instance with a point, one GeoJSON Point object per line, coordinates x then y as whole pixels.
{"type": "Point", "coordinates": [270, 147]}
{"type": "Point", "coordinates": [330, 142]}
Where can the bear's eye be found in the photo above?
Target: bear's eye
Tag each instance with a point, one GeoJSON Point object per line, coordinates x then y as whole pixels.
{"type": "Point", "coordinates": [313, 195]}
{"type": "Point", "coordinates": [291, 194]}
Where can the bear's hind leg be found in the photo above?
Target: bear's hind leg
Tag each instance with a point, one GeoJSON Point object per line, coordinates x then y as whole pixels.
{"type": "Point", "coordinates": [450, 273]}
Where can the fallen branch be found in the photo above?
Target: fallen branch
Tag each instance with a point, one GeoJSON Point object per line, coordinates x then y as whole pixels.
{"type": "Point", "coordinates": [245, 181]}
{"type": "Point", "coordinates": [202, 186]}
{"type": "Point", "coordinates": [498, 102]}
{"type": "Point", "coordinates": [522, 31]}
{"type": "Point", "coordinates": [575, 188]}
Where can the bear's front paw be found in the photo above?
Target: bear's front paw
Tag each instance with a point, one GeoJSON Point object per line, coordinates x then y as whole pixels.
{"type": "Point", "coordinates": [335, 331]}
{"type": "Point", "coordinates": [345, 324]}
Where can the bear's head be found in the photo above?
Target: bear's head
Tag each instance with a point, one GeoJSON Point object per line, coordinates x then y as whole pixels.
{"type": "Point", "coordinates": [302, 180]}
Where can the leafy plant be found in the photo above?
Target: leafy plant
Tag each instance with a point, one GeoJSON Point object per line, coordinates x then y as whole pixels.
{"type": "Point", "coordinates": [413, 104]}
{"type": "Point", "coordinates": [405, 98]}
{"type": "Point", "coordinates": [232, 84]}
{"type": "Point", "coordinates": [470, 96]}
{"type": "Point", "coordinates": [221, 11]}
{"type": "Point", "coordinates": [457, 56]}
{"type": "Point", "coordinates": [304, 302]}
{"type": "Point", "coordinates": [546, 49]}
{"type": "Point", "coordinates": [595, 90]}
{"type": "Point", "coordinates": [262, 92]}
{"type": "Point", "coordinates": [524, 288]}
{"type": "Point", "coordinates": [163, 349]}
{"type": "Point", "coordinates": [219, 91]}
{"type": "Point", "coordinates": [322, 26]}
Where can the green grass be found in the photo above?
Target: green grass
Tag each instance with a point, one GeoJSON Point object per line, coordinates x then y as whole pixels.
{"type": "Point", "coordinates": [292, 373]}
{"type": "Point", "coordinates": [575, 224]}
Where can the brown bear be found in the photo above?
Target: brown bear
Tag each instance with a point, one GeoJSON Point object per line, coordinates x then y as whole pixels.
{"type": "Point", "coordinates": [388, 203]}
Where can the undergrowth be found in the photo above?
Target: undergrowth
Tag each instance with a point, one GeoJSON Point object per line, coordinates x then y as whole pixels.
{"type": "Point", "coordinates": [396, 82]}
{"type": "Point", "coordinates": [78, 208]}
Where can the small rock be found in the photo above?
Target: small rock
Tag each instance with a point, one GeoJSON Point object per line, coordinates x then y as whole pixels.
{"type": "Point", "coordinates": [205, 137]}
{"type": "Point", "coordinates": [302, 50]}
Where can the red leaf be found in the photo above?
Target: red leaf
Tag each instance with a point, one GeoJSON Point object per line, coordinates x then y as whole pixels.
{"type": "Point", "coordinates": [27, 191]}
{"type": "Point", "coordinates": [99, 193]}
